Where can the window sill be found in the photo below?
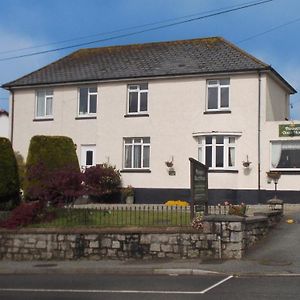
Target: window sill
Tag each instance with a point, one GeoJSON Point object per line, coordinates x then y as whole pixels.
{"type": "Point", "coordinates": [43, 119]}
{"type": "Point", "coordinates": [86, 118]}
{"type": "Point", "coordinates": [222, 171]}
{"type": "Point", "coordinates": [135, 171]}
{"type": "Point", "coordinates": [211, 112]}
{"type": "Point", "coordinates": [287, 172]}
{"type": "Point", "coordinates": [135, 115]}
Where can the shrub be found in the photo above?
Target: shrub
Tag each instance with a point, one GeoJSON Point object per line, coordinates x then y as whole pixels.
{"type": "Point", "coordinates": [102, 182]}
{"type": "Point", "coordinates": [24, 214]}
{"type": "Point", "coordinates": [51, 154]}
{"type": "Point", "coordinates": [9, 179]}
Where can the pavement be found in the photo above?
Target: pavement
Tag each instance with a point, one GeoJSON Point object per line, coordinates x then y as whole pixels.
{"type": "Point", "coordinates": [277, 254]}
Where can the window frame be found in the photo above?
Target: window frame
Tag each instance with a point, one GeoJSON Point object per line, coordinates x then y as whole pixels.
{"type": "Point", "coordinates": [88, 113]}
{"type": "Point", "coordinates": [84, 148]}
{"type": "Point", "coordinates": [46, 99]}
{"type": "Point", "coordinates": [271, 156]}
{"type": "Point", "coordinates": [219, 87]}
{"type": "Point", "coordinates": [226, 146]}
{"type": "Point", "coordinates": [132, 144]}
{"type": "Point", "coordinates": [139, 91]}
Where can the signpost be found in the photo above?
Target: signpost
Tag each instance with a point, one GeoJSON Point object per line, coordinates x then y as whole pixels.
{"type": "Point", "coordinates": [199, 187]}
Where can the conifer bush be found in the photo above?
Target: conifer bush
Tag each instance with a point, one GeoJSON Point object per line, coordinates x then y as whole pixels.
{"type": "Point", "coordinates": [9, 179]}
{"type": "Point", "coordinates": [47, 157]}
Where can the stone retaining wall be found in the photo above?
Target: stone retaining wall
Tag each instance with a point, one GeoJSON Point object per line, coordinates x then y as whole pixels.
{"type": "Point", "coordinates": [221, 237]}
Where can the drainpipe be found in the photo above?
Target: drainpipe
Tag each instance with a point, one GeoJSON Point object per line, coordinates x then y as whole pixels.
{"type": "Point", "coordinates": [258, 137]}
{"type": "Point", "coordinates": [12, 116]}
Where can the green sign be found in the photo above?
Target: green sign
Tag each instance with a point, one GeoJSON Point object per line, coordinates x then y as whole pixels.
{"type": "Point", "coordinates": [289, 130]}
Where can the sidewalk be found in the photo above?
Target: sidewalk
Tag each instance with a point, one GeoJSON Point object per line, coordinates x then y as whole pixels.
{"type": "Point", "coordinates": [277, 254]}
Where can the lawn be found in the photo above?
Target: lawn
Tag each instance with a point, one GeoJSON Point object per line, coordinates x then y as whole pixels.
{"type": "Point", "coordinates": [118, 217]}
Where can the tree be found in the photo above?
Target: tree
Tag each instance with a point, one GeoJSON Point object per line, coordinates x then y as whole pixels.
{"type": "Point", "coordinates": [9, 179]}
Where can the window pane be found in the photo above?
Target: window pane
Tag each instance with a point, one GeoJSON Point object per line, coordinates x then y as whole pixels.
{"type": "Point", "coordinates": [231, 140]}
{"type": "Point", "coordinates": [224, 82]}
{"type": "Point", "coordinates": [212, 100]}
{"type": "Point", "coordinates": [83, 101]}
{"type": "Point", "coordinates": [144, 86]}
{"type": "Point", "coordinates": [289, 154]}
{"type": "Point", "coordinates": [146, 157]}
{"type": "Point", "coordinates": [231, 157]}
{"type": "Point", "coordinates": [219, 139]}
{"type": "Point", "coordinates": [40, 110]}
{"type": "Point", "coordinates": [133, 87]}
{"type": "Point", "coordinates": [219, 156]}
{"type": "Point", "coordinates": [89, 158]}
{"type": "Point", "coordinates": [137, 153]}
{"type": "Point", "coordinates": [208, 140]}
{"type": "Point", "coordinates": [146, 140]}
{"type": "Point", "coordinates": [225, 97]}
{"type": "Point", "coordinates": [49, 106]}
{"type": "Point", "coordinates": [208, 154]}
{"type": "Point", "coordinates": [128, 156]}
{"type": "Point", "coordinates": [143, 101]}
{"type": "Point", "coordinates": [133, 102]}
{"type": "Point", "coordinates": [211, 82]}
{"type": "Point", "coordinates": [93, 89]}
{"type": "Point", "coordinates": [137, 140]}
{"type": "Point", "coordinates": [93, 104]}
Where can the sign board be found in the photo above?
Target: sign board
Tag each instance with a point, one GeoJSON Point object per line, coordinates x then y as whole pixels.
{"type": "Point", "coordinates": [199, 186]}
{"type": "Point", "coordinates": [288, 130]}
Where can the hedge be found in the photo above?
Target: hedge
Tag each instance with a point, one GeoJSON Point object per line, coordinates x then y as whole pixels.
{"type": "Point", "coordinates": [9, 179]}
{"type": "Point", "coordinates": [49, 154]}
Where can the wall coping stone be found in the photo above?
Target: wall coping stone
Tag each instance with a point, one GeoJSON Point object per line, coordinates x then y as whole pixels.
{"type": "Point", "coordinates": [269, 213]}
{"type": "Point", "coordinates": [256, 219]}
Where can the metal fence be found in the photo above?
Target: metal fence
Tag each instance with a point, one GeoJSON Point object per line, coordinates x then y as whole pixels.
{"type": "Point", "coordinates": [126, 215]}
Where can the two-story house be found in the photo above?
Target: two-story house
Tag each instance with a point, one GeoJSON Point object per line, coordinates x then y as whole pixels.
{"type": "Point", "coordinates": [140, 106]}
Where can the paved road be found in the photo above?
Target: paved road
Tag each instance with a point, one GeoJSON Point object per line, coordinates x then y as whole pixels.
{"type": "Point", "coordinates": [41, 287]}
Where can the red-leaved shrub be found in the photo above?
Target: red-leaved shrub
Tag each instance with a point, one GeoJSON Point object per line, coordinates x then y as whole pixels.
{"type": "Point", "coordinates": [24, 214]}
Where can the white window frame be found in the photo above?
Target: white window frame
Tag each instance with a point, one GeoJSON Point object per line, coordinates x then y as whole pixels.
{"type": "Point", "coordinates": [48, 97]}
{"type": "Point", "coordinates": [88, 113]}
{"type": "Point", "coordinates": [219, 87]}
{"type": "Point", "coordinates": [226, 145]}
{"type": "Point", "coordinates": [139, 91]}
{"type": "Point", "coordinates": [271, 157]}
{"type": "Point", "coordinates": [134, 143]}
{"type": "Point", "coordinates": [83, 151]}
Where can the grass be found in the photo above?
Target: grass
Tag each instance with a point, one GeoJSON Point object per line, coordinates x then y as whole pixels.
{"type": "Point", "coordinates": [118, 217]}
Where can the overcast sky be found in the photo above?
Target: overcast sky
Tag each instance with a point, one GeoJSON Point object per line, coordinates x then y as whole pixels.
{"type": "Point", "coordinates": [33, 23]}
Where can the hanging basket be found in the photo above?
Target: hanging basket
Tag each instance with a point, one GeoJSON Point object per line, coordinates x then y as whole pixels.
{"type": "Point", "coordinates": [274, 175]}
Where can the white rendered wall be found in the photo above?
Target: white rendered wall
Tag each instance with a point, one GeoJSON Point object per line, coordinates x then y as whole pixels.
{"type": "Point", "coordinates": [4, 126]}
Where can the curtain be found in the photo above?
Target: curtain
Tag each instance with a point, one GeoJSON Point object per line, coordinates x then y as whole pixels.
{"type": "Point", "coordinates": [276, 153]}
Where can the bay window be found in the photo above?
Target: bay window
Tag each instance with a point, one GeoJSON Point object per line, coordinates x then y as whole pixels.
{"type": "Point", "coordinates": [217, 151]}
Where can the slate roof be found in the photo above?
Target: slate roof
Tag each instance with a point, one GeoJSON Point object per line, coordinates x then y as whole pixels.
{"type": "Point", "coordinates": [183, 57]}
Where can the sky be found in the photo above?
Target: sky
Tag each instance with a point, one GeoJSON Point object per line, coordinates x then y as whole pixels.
{"type": "Point", "coordinates": [32, 23]}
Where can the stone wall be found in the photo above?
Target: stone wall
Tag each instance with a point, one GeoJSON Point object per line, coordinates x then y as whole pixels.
{"type": "Point", "coordinates": [221, 237]}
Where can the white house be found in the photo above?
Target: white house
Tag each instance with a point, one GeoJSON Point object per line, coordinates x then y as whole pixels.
{"type": "Point", "coordinates": [4, 123]}
{"type": "Point", "coordinates": [140, 106]}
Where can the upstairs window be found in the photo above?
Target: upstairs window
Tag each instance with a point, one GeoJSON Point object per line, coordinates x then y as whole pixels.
{"type": "Point", "coordinates": [218, 94]}
{"type": "Point", "coordinates": [88, 101]}
{"type": "Point", "coordinates": [285, 155]}
{"type": "Point", "coordinates": [137, 98]}
{"type": "Point", "coordinates": [44, 104]}
{"type": "Point", "coordinates": [217, 152]}
{"type": "Point", "coordinates": [137, 153]}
